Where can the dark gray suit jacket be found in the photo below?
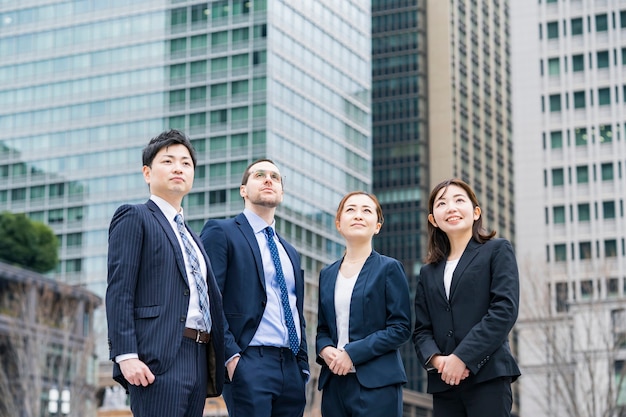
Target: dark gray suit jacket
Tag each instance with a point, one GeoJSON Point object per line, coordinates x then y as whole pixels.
{"type": "Point", "coordinates": [475, 323]}
{"type": "Point", "coordinates": [148, 294]}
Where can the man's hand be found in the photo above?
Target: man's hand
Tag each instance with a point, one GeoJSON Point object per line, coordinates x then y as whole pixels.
{"type": "Point", "coordinates": [136, 372]}
{"type": "Point", "coordinates": [231, 366]}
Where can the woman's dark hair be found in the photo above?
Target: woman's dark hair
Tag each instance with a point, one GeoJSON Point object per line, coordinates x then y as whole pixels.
{"type": "Point", "coordinates": [165, 139]}
{"type": "Point", "coordinates": [438, 243]}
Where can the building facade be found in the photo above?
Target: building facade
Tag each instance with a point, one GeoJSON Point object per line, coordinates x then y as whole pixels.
{"type": "Point", "coordinates": [569, 58]}
{"type": "Point", "coordinates": [441, 108]}
{"type": "Point", "coordinates": [47, 346]}
{"type": "Point", "coordinates": [85, 84]}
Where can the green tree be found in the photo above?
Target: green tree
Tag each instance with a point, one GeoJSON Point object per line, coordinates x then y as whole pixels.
{"type": "Point", "coordinates": [27, 243]}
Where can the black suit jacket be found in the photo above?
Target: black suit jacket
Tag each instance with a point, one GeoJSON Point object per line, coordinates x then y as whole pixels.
{"type": "Point", "coordinates": [147, 296]}
{"type": "Point", "coordinates": [475, 322]}
{"type": "Point", "coordinates": [238, 267]}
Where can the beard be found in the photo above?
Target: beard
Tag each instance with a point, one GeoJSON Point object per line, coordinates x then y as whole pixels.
{"type": "Point", "coordinates": [266, 201]}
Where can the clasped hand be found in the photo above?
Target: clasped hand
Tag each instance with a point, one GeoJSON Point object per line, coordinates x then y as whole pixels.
{"type": "Point", "coordinates": [451, 368]}
{"type": "Point", "coordinates": [338, 360]}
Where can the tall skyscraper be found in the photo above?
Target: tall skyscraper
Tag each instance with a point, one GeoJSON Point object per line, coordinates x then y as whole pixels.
{"type": "Point", "coordinates": [84, 84]}
{"type": "Point", "coordinates": [441, 108]}
{"type": "Point", "coordinates": [569, 60]}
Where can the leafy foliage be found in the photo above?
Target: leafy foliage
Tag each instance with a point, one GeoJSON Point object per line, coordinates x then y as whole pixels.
{"type": "Point", "coordinates": [27, 243]}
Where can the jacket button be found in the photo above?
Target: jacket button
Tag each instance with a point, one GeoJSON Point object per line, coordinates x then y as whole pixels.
{"type": "Point", "coordinates": [186, 292]}
{"type": "Point", "coordinates": [450, 333]}
{"type": "Point", "coordinates": [183, 318]}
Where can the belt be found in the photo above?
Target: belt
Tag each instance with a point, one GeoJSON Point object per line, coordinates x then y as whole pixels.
{"type": "Point", "coordinates": [200, 336]}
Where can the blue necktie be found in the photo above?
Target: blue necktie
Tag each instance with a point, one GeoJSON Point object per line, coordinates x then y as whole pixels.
{"type": "Point", "coordinates": [192, 255]}
{"type": "Point", "coordinates": [294, 342]}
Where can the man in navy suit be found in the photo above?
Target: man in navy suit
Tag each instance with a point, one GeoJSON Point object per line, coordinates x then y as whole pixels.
{"type": "Point", "coordinates": [262, 286]}
{"type": "Point", "coordinates": [164, 309]}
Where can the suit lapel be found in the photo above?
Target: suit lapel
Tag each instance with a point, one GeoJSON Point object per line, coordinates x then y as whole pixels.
{"type": "Point", "coordinates": [169, 232]}
{"type": "Point", "coordinates": [329, 285]}
{"type": "Point", "coordinates": [248, 233]}
{"type": "Point", "coordinates": [468, 256]}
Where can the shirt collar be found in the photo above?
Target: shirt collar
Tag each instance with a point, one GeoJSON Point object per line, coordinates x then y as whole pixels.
{"type": "Point", "coordinates": [168, 210]}
{"type": "Point", "coordinates": [256, 222]}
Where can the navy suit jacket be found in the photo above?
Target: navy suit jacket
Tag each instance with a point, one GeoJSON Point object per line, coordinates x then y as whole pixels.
{"type": "Point", "coordinates": [475, 323]}
{"type": "Point", "coordinates": [237, 263]}
{"type": "Point", "coordinates": [148, 294]}
{"type": "Point", "coordinates": [380, 321]}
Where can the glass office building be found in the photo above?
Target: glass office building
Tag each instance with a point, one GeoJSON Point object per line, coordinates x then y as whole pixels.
{"type": "Point", "coordinates": [84, 84]}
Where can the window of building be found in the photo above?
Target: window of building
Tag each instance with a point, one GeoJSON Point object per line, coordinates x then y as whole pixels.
{"type": "Point", "coordinates": [623, 56]}
{"type": "Point", "coordinates": [219, 9]}
{"type": "Point", "coordinates": [555, 102]}
{"type": "Point", "coordinates": [197, 119]}
{"type": "Point", "coordinates": [605, 133]}
{"type": "Point", "coordinates": [580, 134]}
{"type": "Point", "coordinates": [178, 45]}
{"type": "Point", "coordinates": [259, 84]}
{"type": "Point", "coordinates": [584, 248]}
{"type": "Point", "coordinates": [602, 22]}
{"type": "Point", "coordinates": [37, 192]}
{"type": "Point", "coordinates": [577, 26]}
{"type": "Point", "coordinates": [553, 30]}
{"type": "Point", "coordinates": [612, 287]}
{"type": "Point", "coordinates": [558, 177]}
{"type": "Point", "coordinates": [177, 96]}
{"type": "Point", "coordinates": [602, 59]}
{"type": "Point", "coordinates": [178, 71]}
{"type": "Point", "coordinates": [586, 289]}
{"type": "Point", "coordinates": [198, 67]}
{"type": "Point", "coordinates": [18, 194]}
{"type": "Point", "coordinates": [578, 63]}
{"type": "Point", "coordinates": [217, 197]}
{"type": "Point", "coordinates": [199, 13]}
{"type": "Point", "coordinates": [239, 114]}
{"type": "Point", "coordinates": [558, 214]}
{"type": "Point", "coordinates": [561, 296]}
{"type": "Point", "coordinates": [75, 214]}
{"type": "Point", "coordinates": [554, 66]}
{"type": "Point", "coordinates": [219, 90]}
{"type": "Point", "coordinates": [610, 248]}
{"type": "Point", "coordinates": [604, 96]}
{"type": "Point", "coordinates": [607, 171]}
{"type": "Point", "coordinates": [556, 139]}
{"type": "Point", "coordinates": [219, 64]}
{"type": "Point", "coordinates": [219, 38]}
{"type": "Point", "coordinates": [240, 61]}
{"type": "Point", "coordinates": [241, 35]}
{"type": "Point", "coordinates": [55, 216]}
{"type": "Point", "coordinates": [240, 87]}
{"type": "Point", "coordinates": [241, 7]}
{"type": "Point", "coordinates": [197, 93]}
{"type": "Point", "coordinates": [73, 265]}
{"type": "Point", "coordinates": [582, 174]}
{"type": "Point", "coordinates": [608, 209]}
{"type": "Point", "coordinates": [178, 16]}
{"type": "Point", "coordinates": [579, 99]}
{"type": "Point", "coordinates": [198, 41]}
{"type": "Point", "coordinates": [74, 239]}
{"type": "Point", "coordinates": [219, 116]}
{"type": "Point", "coordinates": [619, 381]}
{"type": "Point", "coordinates": [584, 212]}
